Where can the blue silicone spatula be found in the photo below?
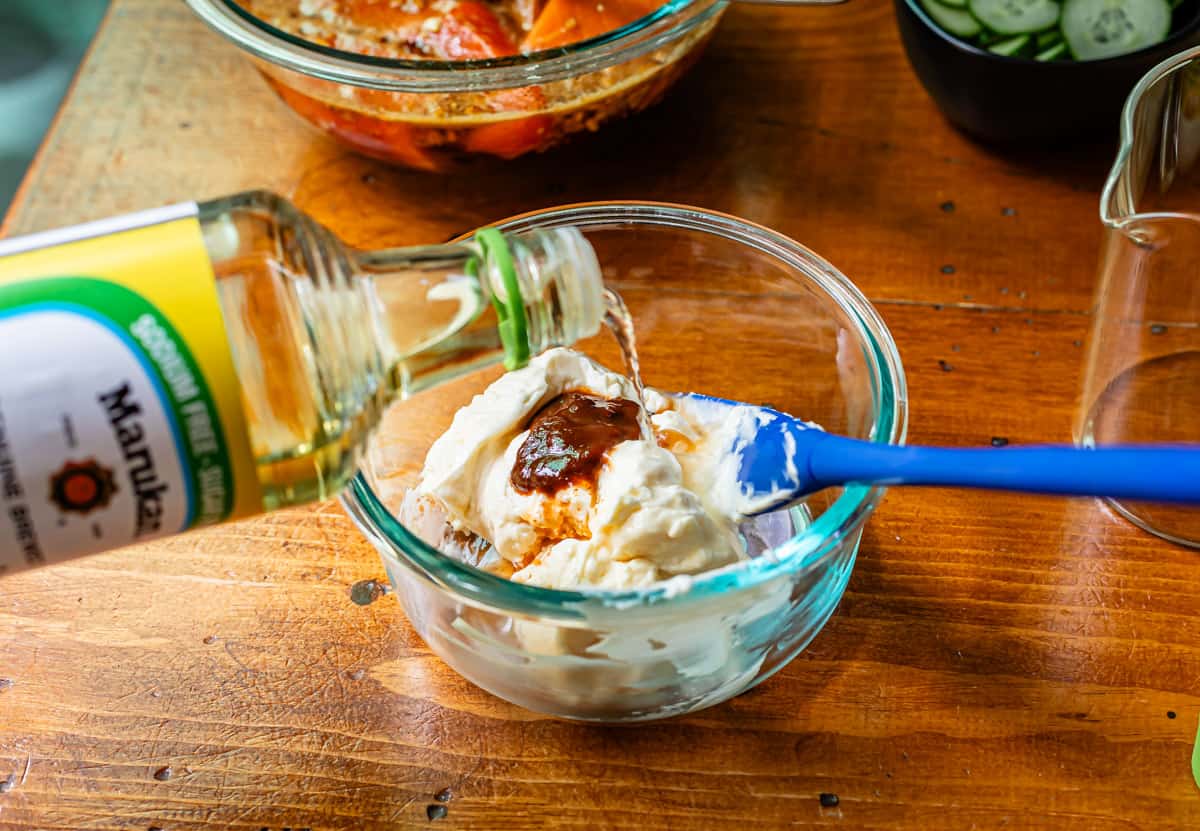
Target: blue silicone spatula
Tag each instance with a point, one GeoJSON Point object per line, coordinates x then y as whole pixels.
{"type": "Point", "coordinates": [783, 460]}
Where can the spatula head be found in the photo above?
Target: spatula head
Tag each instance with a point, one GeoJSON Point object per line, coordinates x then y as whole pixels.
{"type": "Point", "coordinates": [765, 466]}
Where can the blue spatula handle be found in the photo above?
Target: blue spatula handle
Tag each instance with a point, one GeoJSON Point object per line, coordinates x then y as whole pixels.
{"type": "Point", "coordinates": [1158, 473]}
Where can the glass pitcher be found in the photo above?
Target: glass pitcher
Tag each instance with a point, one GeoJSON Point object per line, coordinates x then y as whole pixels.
{"type": "Point", "coordinates": [1142, 377]}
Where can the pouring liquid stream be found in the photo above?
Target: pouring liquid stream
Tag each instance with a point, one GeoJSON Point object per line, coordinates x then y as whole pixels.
{"type": "Point", "coordinates": [759, 533]}
{"type": "Point", "coordinates": [620, 322]}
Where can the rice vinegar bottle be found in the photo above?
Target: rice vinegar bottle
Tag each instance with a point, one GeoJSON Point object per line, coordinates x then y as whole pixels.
{"type": "Point", "coordinates": [195, 364]}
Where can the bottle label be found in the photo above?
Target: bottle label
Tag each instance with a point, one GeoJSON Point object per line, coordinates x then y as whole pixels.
{"type": "Point", "coordinates": [121, 417]}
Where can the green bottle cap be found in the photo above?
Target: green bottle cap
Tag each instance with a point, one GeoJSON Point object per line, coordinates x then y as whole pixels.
{"type": "Point", "coordinates": [514, 326]}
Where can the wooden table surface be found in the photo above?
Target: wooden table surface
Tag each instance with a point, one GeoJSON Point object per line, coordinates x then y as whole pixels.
{"type": "Point", "coordinates": [997, 662]}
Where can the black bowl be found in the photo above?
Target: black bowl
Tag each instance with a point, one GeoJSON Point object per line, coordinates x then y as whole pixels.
{"type": "Point", "coordinates": [1020, 99]}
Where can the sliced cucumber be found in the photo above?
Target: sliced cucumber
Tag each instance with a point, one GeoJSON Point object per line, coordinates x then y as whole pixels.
{"type": "Point", "coordinates": [1104, 28]}
{"type": "Point", "coordinates": [1016, 17]}
{"type": "Point", "coordinates": [1048, 38]}
{"type": "Point", "coordinates": [955, 21]}
{"type": "Point", "coordinates": [957, 4]}
{"type": "Point", "coordinates": [1012, 46]}
{"type": "Point", "coordinates": [1052, 53]}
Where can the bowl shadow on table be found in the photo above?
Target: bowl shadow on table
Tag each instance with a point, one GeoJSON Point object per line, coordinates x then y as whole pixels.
{"type": "Point", "coordinates": [924, 641]}
{"type": "Point", "coordinates": [1080, 160]}
{"type": "Point", "coordinates": [890, 638]}
{"type": "Point", "coordinates": [1082, 165]}
{"type": "Point", "coordinates": [842, 715]}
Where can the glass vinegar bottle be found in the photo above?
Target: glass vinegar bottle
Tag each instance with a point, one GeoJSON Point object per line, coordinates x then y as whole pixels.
{"type": "Point", "coordinates": [324, 336]}
{"type": "Point", "coordinates": [320, 337]}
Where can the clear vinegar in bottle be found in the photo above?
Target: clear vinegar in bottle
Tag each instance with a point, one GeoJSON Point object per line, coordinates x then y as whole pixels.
{"type": "Point", "coordinates": [194, 364]}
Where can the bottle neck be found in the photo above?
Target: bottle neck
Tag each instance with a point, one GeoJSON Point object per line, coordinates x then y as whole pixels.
{"type": "Point", "coordinates": [324, 336]}
{"type": "Point", "coordinates": [436, 312]}
{"type": "Point", "coordinates": [403, 319]}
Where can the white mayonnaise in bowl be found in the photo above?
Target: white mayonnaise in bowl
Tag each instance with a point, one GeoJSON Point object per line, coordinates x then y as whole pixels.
{"type": "Point", "coordinates": [721, 307]}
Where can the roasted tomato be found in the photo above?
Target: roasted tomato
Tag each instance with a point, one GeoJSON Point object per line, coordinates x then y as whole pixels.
{"type": "Point", "coordinates": [390, 140]}
{"type": "Point", "coordinates": [380, 14]}
{"type": "Point", "coordinates": [469, 30]}
{"type": "Point", "coordinates": [511, 138]}
{"type": "Point", "coordinates": [569, 21]}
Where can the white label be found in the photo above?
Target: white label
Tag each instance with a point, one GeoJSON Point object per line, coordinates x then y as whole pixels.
{"type": "Point", "coordinates": [89, 455]}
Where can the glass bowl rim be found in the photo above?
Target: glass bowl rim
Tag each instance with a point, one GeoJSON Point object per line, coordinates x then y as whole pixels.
{"type": "Point", "coordinates": [807, 551]}
{"type": "Point", "coordinates": [667, 23]}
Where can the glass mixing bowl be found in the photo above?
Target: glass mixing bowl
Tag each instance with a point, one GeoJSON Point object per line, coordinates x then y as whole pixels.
{"type": "Point", "coordinates": [720, 306]}
{"type": "Point", "coordinates": [432, 115]}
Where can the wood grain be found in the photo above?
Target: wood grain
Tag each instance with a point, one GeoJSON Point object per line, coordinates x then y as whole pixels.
{"type": "Point", "coordinates": [998, 661]}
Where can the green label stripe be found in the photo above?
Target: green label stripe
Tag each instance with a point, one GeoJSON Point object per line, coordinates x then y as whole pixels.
{"type": "Point", "coordinates": [163, 352]}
